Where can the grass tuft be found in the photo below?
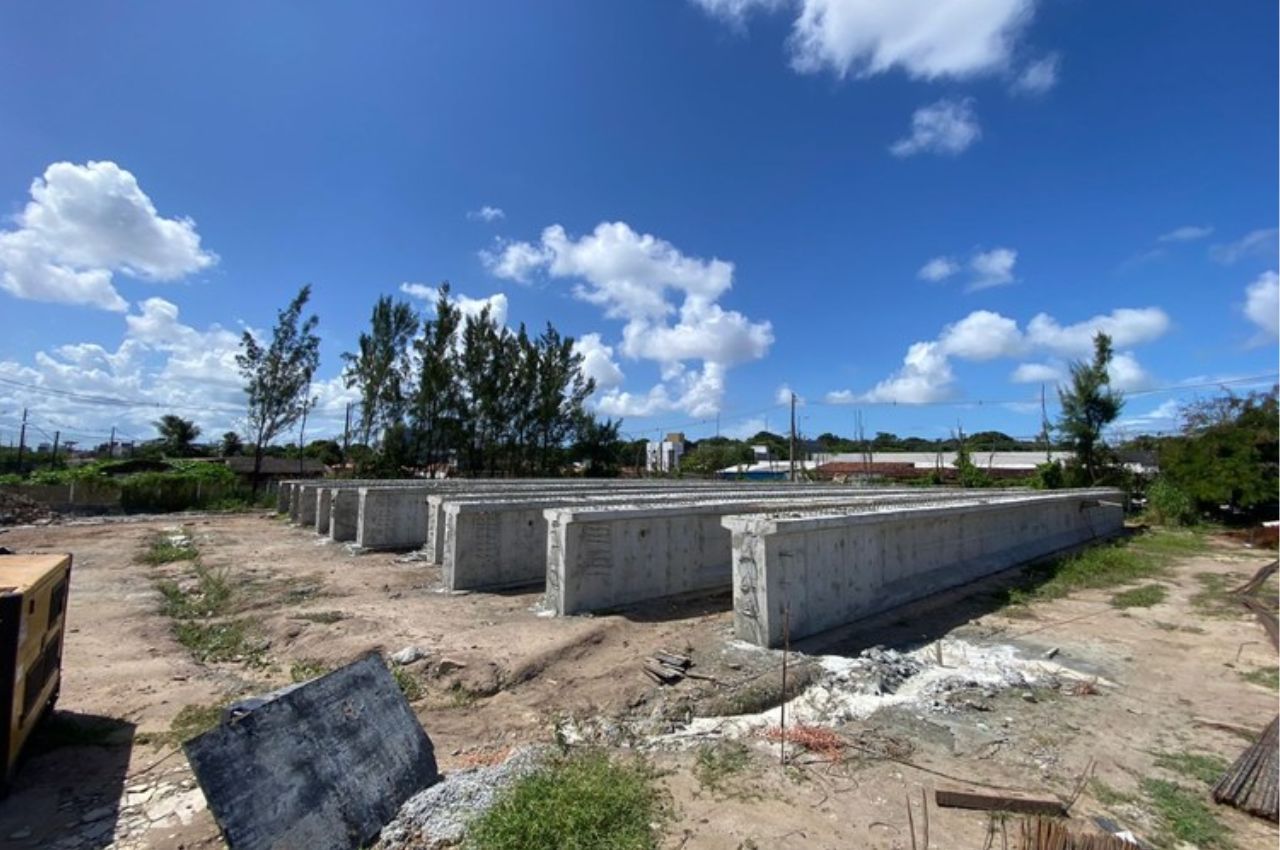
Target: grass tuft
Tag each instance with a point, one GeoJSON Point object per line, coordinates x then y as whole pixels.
{"type": "Point", "coordinates": [305, 669]}
{"type": "Point", "coordinates": [232, 640]}
{"type": "Point", "coordinates": [718, 764]}
{"type": "Point", "coordinates": [580, 802]}
{"type": "Point", "coordinates": [1140, 597]}
{"type": "Point", "coordinates": [1205, 767]}
{"type": "Point", "coordinates": [325, 617]}
{"type": "Point", "coordinates": [193, 720]}
{"type": "Point", "coordinates": [1184, 816]}
{"type": "Point", "coordinates": [167, 547]}
{"type": "Point", "coordinates": [409, 684]}
{"type": "Point", "coordinates": [210, 597]}
{"type": "Point", "coordinates": [1267, 677]}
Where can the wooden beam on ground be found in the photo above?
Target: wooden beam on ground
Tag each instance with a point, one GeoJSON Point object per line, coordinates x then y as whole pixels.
{"type": "Point", "coordinates": [984, 799]}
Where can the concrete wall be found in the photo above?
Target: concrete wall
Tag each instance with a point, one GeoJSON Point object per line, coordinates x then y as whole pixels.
{"type": "Point", "coordinates": [834, 569]}
{"type": "Point", "coordinates": [606, 558]}
{"type": "Point", "coordinates": [324, 515]}
{"type": "Point", "coordinates": [344, 514]}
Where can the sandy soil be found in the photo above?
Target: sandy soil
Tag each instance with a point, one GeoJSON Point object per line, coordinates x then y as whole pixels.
{"type": "Point", "coordinates": [497, 673]}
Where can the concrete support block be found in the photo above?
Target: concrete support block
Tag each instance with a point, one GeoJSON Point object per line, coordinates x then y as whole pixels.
{"type": "Point", "coordinates": [307, 504]}
{"type": "Point", "coordinates": [324, 497]}
{"type": "Point", "coordinates": [392, 518]}
{"type": "Point", "coordinates": [831, 570]}
{"type": "Point", "coordinates": [344, 514]}
{"type": "Point", "coordinates": [322, 766]}
{"type": "Point", "coordinates": [282, 496]}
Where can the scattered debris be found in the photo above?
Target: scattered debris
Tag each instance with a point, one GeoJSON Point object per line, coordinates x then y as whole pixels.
{"type": "Point", "coordinates": [819, 740]}
{"type": "Point", "coordinates": [1045, 834]}
{"type": "Point", "coordinates": [1023, 802]}
{"type": "Point", "coordinates": [438, 816]}
{"type": "Point", "coordinates": [407, 656]}
{"type": "Point", "coordinates": [16, 509]}
{"type": "Point", "coordinates": [667, 668]}
{"type": "Point", "coordinates": [1251, 784]}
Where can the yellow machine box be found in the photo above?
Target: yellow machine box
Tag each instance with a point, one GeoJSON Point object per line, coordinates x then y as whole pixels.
{"type": "Point", "coordinates": [33, 609]}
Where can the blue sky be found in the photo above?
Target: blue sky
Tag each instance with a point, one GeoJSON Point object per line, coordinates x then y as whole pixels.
{"type": "Point", "coordinates": [918, 210]}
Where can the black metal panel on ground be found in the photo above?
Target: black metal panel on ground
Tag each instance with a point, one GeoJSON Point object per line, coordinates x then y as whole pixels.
{"type": "Point", "coordinates": [318, 766]}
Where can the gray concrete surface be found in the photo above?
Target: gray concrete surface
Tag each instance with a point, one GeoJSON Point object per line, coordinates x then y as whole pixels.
{"type": "Point", "coordinates": [828, 570]}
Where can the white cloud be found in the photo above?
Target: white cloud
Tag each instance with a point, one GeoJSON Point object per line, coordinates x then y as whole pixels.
{"type": "Point", "coordinates": [926, 374]}
{"type": "Point", "coordinates": [1126, 327]}
{"type": "Point", "coordinates": [468, 306]}
{"type": "Point", "coordinates": [598, 363]}
{"type": "Point", "coordinates": [1038, 373]}
{"type": "Point", "coordinates": [1255, 243]}
{"type": "Point", "coordinates": [992, 268]}
{"type": "Point", "coordinates": [1164, 417]}
{"type": "Point", "coordinates": [633, 277]}
{"type": "Point", "coordinates": [981, 335]}
{"type": "Point", "coordinates": [925, 38]}
{"type": "Point", "coordinates": [746, 428]}
{"type": "Point", "coordinates": [1038, 77]}
{"type": "Point", "coordinates": [85, 223]}
{"type": "Point", "coordinates": [1186, 233]}
{"type": "Point", "coordinates": [783, 396]}
{"type": "Point", "coordinates": [487, 213]}
{"type": "Point", "coordinates": [939, 268]}
{"type": "Point", "coordinates": [945, 127]}
{"type": "Point", "coordinates": [735, 12]}
{"type": "Point", "coordinates": [1262, 302]}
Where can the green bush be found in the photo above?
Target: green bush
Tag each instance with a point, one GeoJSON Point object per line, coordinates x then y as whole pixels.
{"type": "Point", "coordinates": [1168, 504]}
{"type": "Point", "coordinates": [1049, 476]}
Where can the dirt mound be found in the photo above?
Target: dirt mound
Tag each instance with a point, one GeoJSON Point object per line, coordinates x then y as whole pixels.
{"type": "Point", "coordinates": [19, 510]}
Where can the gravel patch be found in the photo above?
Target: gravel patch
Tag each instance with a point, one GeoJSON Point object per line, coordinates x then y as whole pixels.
{"type": "Point", "coordinates": [438, 816]}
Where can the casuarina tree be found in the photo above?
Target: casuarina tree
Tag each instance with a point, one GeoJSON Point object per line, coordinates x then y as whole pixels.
{"type": "Point", "coordinates": [1089, 405]}
{"type": "Point", "coordinates": [278, 375]}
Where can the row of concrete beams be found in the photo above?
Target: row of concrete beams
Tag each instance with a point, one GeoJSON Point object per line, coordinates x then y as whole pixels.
{"type": "Point", "coordinates": [600, 558]}
{"type": "Point", "coordinates": [795, 576]}
{"type": "Point", "coordinates": [484, 543]}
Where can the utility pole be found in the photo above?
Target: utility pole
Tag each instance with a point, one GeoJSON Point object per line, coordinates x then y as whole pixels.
{"type": "Point", "coordinates": [302, 431]}
{"type": "Point", "coordinates": [1044, 428]}
{"type": "Point", "coordinates": [111, 446]}
{"type": "Point", "coordinates": [22, 439]}
{"type": "Point", "coordinates": [346, 434]}
{"type": "Point", "coordinates": [793, 437]}
{"type": "Point", "coordinates": [56, 435]}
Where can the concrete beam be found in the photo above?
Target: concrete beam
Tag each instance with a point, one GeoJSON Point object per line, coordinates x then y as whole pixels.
{"type": "Point", "coordinates": [831, 570]}
{"type": "Point", "coordinates": [604, 558]}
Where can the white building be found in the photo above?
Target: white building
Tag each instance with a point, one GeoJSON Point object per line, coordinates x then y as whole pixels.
{"type": "Point", "coordinates": [664, 456]}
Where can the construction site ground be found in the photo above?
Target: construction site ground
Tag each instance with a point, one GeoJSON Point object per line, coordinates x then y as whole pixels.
{"type": "Point", "coordinates": [1155, 687]}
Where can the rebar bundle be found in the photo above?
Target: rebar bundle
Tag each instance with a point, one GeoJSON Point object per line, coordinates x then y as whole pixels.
{"type": "Point", "coordinates": [1251, 783]}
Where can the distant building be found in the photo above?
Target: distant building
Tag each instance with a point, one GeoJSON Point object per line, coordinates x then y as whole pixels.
{"type": "Point", "coordinates": [274, 469]}
{"type": "Point", "coordinates": [665, 456]}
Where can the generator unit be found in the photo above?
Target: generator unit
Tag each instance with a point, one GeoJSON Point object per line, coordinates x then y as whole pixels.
{"type": "Point", "coordinates": [33, 616]}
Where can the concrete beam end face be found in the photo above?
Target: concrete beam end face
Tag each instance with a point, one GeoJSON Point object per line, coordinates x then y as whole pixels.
{"type": "Point", "coordinates": [324, 765]}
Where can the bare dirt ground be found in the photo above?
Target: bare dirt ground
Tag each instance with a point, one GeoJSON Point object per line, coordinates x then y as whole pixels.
{"type": "Point", "coordinates": [497, 673]}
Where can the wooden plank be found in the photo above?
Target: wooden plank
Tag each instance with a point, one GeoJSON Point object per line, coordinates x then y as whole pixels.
{"type": "Point", "coordinates": [1023, 802]}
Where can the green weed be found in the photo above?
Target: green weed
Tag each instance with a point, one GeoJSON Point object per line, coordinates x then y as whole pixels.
{"type": "Point", "coordinates": [325, 617]}
{"type": "Point", "coordinates": [1184, 816]}
{"type": "Point", "coordinates": [306, 669]}
{"type": "Point", "coordinates": [409, 684]}
{"type": "Point", "coordinates": [210, 597]}
{"type": "Point", "coordinates": [166, 547]}
{"type": "Point", "coordinates": [580, 802]}
{"type": "Point", "coordinates": [718, 764]}
{"type": "Point", "coordinates": [232, 640]}
{"type": "Point", "coordinates": [1267, 677]}
{"type": "Point", "coordinates": [1140, 597]}
{"type": "Point", "coordinates": [1205, 767]}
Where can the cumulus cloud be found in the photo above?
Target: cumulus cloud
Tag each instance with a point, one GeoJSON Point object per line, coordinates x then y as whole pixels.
{"type": "Point", "coordinates": [1186, 233]}
{"type": "Point", "coordinates": [946, 127]}
{"type": "Point", "coordinates": [926, 374]}
{"type": "Point", "coordinates": [638, 278]}
{"type": "Point", "coordinates": [1262, 303]}
{"type": "Point", "coordinates": [1038, 373]}
{"type": "Point", "coordinates": [487, 213]}
{"type": "Point", "coordinates": [1255, 243]}
{"type": "Point", "coordinates": [1038, 76]}
{"type": "Point", "coordinates": [468, 306]}
{"type": "Point", "coordinates": [937, 269]}
{"type": "Point", "coordinates": [992, 268]}
{"type": "Point", "coordinates": [927, 39]}
{"type": "Point", "coordinates": [84, 224]}
{"type": "Point", "coordinates": [598, 363]}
